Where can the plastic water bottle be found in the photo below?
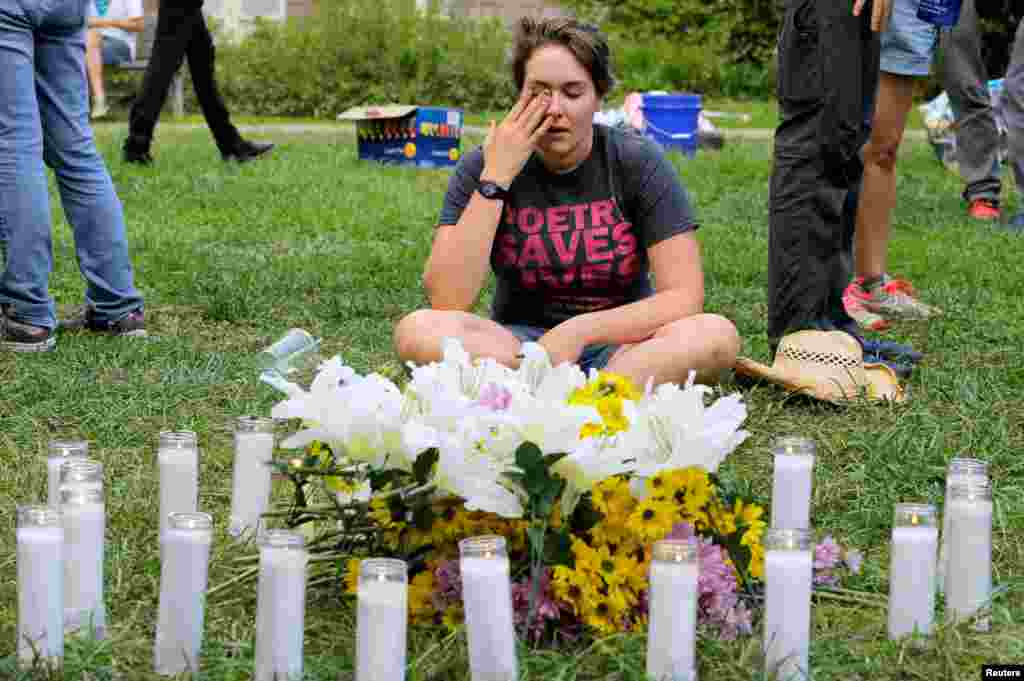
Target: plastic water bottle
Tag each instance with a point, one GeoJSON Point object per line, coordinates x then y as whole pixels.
{"type": "Point", "coordinates": [944, 13]}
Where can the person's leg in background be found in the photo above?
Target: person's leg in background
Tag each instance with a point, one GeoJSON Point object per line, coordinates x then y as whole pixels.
{"type": "Point", "coordinates": [965, 79]}
{"type": "Point", "coordinates": [86, 190]}
{"type": "Point", "coordinates": [827, 67]}
{"type": "Point", "coordinates": [1013, 110]}
{"type": "Point", "coordinates": [201, 53]}
{"type": "Point", "coordinates": [907, 49]}
{"type": "Point", "coordinates": [174, 25]}
{"type": "Point", "coordinates": [27, 315]}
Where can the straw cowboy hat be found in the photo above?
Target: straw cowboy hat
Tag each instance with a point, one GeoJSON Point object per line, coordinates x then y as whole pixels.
{"type": "Point", "coordinates": [827, 365]}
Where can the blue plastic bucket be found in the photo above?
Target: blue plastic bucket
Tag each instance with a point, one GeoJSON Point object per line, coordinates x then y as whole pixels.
{"type": "Point", "coordinates": [671, 120]}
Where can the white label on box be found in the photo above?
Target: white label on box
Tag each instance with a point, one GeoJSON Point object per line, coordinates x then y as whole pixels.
{"type": "Point", "coordinates": [453, 118]}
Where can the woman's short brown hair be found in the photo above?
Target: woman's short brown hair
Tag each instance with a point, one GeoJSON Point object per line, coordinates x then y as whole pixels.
{"type": "Point", "coordinates": [585, 41]}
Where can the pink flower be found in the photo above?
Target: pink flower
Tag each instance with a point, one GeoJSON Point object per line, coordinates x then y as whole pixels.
{"type": "Point", "coordinates": [827, 554]}
{"type": "Point", "coordinates": [548, 609]}
{"type": "Point", "coordinates": [447, 585]}
{"type": "Point", "coordinates": [495, 397]}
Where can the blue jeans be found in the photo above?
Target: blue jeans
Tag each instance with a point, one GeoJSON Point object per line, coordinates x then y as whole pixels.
{"type": "Point", "coordinates": [593, 357]}
{"type": "Point", "coordinates": [44, 116]}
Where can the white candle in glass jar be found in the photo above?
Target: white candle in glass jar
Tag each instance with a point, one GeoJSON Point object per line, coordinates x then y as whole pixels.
{"type": "Point", "coordinates": [59, 451]}
{"type": "Point", "coordinates": [969, 571]}
{"type": "Point", "coordinates": [788, 572]}
{"type": "Point", "coordinates": [183, 577]}
{"type": "Point", "coordinates": [40, 556]}
{"type": "Point", "coordinates": [178, 459]}
{"type": "Point", "coordinates": [487, 601]}
{"type": "Point", "coordinates": [672, 606]}
{"type": "Point", "coordinates": [912, 569]}
{"type": "Point", "coordinates": [959, 471]}
{"type": "Point", "coordinates": [792, 482]}
{"type": "Point", "coordinates": [250, 489]}
{"type": "Point", "coordinates": [84, 520]}
{"type": "Point", "coordinates": [281, 606]}
{"type": "Point", "coordinates": [381, 622]}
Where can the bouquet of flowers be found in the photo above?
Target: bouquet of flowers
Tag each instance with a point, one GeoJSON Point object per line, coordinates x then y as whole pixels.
{"type": "Point", "coordinates": [580, 473]}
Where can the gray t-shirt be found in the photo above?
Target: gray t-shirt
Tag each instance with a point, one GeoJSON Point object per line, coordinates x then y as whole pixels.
{"type": "Point", "coordinates": [577, 242]}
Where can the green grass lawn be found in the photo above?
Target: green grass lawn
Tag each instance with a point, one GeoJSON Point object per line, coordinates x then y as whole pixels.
{"type": "Point", "coordinates": [230, 257]}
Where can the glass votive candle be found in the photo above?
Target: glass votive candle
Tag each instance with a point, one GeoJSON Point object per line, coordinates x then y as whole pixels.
{"type": "Point", "coordinates": [382, 620]}
{"type": "Point", "coordinates": [959, 469]}
{"type": "Point", "coordinates": [251, 475]}
{"type": "Point", "coordinates": [912, 570]}
{"type": "Point", "coordinates": [788, 574]}
{"type": "Point", "coordinates": [672, 606]}
{"type": "Point", "coordinates": [793, 460]}
{"type": "Point", "coordinates": [40, 556]}
{"type": "Point", "coordinates": [969, 567]}
{"type": "Point", "coordinates": [487, 602]}
{"type": "Point", "coordinates": [83, 515]}
{"type": "Point", "coordinates": [178, 462]}
{"type": "Point", "coordinates": [57, 452]}
{"type": "Point", "coordinates": [280, 605]}
{"type": "Point", "coordinates": [184, 569]}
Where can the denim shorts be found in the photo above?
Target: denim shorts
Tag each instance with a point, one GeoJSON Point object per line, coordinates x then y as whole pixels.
{"type": "Point", "coordinates": [908, 44]}
{"type": "Point", "coordinates": [115, 52]}
{"type": "Point", "coordinates": [593, 357]}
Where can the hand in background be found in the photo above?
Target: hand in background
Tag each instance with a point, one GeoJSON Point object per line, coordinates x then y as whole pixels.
{"type": "Point", "coordinates": [881, 10]}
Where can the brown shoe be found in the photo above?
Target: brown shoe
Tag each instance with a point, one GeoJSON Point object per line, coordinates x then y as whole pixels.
{"type": "Point", "coordinates": [132, 324]}
{"type": "Point", "coordinates": [21, 337]}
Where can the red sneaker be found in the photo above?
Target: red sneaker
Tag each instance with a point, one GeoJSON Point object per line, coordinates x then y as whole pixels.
{"type": "Point", "coordinates": [853, 298]}
{"type": "Point", "coordinates": [983, 209]}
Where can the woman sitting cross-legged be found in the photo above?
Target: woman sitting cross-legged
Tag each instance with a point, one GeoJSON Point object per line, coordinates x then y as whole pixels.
{"type": "Point", "coordinates": [574, 218]}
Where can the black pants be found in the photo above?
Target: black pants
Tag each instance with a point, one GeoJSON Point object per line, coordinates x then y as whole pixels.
{"type": "Point", "coordinates": [828, 74]}
{"type": "Point", "coordinates": [180, 31]}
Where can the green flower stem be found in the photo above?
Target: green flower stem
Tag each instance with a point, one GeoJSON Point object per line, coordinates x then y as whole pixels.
{"type": "Point", "coordinates": [536, 570]}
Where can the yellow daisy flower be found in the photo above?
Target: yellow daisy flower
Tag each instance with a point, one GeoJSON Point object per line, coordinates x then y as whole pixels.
{"type": "Point", "coordinates": [600, 614]}
{"type": "Point", "coordinates": [652, 520]}
{"type": "Point", "coordinates": [571, 587]}
{"type": "Point", "coordinates": [586, 558]}
{"type": "Point", "coordinates": [611, 496]}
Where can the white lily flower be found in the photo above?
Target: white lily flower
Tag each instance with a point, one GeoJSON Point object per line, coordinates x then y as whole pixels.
{"type": "Point", "coordinates": [554, 426]}
{"type": "Point", "coordinates": [475, 478]}
{"type": "Point", "coordinates": [674, 429]}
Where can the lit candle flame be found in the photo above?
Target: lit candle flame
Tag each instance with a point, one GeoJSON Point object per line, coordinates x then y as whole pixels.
{"type": "Point", "coordinates": [914, 520]}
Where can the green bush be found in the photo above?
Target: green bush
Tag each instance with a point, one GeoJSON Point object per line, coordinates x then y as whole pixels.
{"type": "Point", "coordinates": [356, 53]}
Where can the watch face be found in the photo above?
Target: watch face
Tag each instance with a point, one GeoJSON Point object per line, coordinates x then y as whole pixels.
{"type": "Point", "coordinates": [490, 190]}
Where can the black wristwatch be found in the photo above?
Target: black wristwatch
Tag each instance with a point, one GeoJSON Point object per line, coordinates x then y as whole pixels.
{"type": "Point", "coordinates": [493, 191]}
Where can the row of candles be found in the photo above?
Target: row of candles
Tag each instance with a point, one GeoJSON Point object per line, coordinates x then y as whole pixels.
{"type": "Point", "coordinates": [60, 570]}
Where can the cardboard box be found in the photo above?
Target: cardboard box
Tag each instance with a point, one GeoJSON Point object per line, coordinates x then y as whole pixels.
{"type": "Point", "coordinates": [424, 136]}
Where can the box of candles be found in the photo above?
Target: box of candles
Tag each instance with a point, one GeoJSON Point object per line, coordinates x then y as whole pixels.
{"type": "Point", "coordinates": [423, 136]}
